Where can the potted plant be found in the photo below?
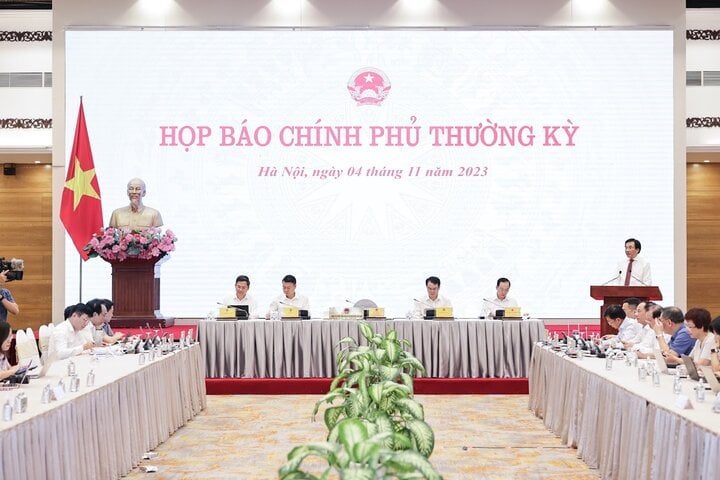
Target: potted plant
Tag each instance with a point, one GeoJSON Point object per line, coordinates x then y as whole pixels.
{"type": "Point", "coordinates": [358, 455]}
{"type": "Point", "coordinates": [375, 426]}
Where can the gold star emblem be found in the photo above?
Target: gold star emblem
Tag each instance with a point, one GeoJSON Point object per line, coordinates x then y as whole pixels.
{"type": "Point", "coordinates": [80, 184]}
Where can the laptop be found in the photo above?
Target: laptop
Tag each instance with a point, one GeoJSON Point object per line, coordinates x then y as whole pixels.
{"type": "Point", "coordinates": [710, 378]}
{"type": "Point", "coordinates": [46, 366]}
{"type": "Point", "coordinates": [660, 361]}
{"type": "Point", "coordinates": [691, 369]}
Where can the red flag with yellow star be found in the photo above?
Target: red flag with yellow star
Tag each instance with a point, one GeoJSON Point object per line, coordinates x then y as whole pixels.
{"type": "Point", "coordinates": [81, 207]}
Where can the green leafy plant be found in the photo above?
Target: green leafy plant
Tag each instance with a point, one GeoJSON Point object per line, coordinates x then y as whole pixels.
{"type": "Point", "coordinates": [358, 455]}
{"type": "Point", "coordinates": [376, 429]}
{"type": "Point", "coordinates": [375, 383]}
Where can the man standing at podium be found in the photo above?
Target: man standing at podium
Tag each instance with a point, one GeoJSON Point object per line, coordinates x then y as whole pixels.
{"type": "Point", "coordinates": [635, 270]}
{"type": "Point", "coordinates": [136, 216]}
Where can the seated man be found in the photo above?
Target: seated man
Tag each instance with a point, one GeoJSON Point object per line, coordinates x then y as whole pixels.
{"type": "Point", "coordinates": [645, 343]}
{"type": "Point", "coordinates": [672, 322]}
{"type": "Point", "coordinates": [628, 328]}
{"type": "Point", "coordinates": [72, 337]}
{"type": "Point", "coordinates": [101, 315]}
{"type": "Point", "coordinates": [433, 299]}
{"type": "Point", "coordinates": [501, 300]}
{"type": "Point", "coordinates": [242, 285]}
{"type": "Point", "coordinates": [289, 298]}
{"type": "Point", "coordinates": [630, 306]}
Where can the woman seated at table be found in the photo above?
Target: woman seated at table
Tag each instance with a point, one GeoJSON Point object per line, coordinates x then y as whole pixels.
{"type": "Point", "coordinates": [5, 338]}
{"type": "Point", "coordinates": [697, 321]}
{"type": "Point", "coordinates": [714, 357]}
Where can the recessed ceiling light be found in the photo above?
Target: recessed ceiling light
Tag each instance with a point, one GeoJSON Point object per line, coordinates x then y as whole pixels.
{"type": "Point", "coordinates": [706, 161]}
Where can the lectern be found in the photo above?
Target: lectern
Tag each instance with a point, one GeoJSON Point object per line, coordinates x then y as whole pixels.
{"type": "Point", "coordinates": [136, 293]}
{"type": "Point", "coordinates": [615, 294]}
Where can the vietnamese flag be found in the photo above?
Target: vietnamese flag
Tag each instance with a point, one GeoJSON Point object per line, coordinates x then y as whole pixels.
{"type": "Point", "coordinates": [81, 207]}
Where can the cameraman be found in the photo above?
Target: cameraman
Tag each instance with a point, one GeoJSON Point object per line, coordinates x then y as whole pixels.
{"type": "Point", "coordinates": [7, 302]}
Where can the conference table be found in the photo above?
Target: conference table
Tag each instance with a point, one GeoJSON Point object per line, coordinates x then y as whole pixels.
{"type": "Point", "coordinates": [308, 348]}
{"type": "Point", "coordinates": [101, 431]}
{"type": "Point", "coordinates": [625, 427]}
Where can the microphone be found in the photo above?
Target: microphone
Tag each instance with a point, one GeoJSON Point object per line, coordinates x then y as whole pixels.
{"type": "Point", "coordinates": [429, 312]}
{"type": "Point", "coordinates": [636, 278]}
{"type": "Point", "coordinates": [424, 303]}
{"type": "Point", "coordinates": [614, 278]}
{"type": "Point", "coordinates": [492, 301]}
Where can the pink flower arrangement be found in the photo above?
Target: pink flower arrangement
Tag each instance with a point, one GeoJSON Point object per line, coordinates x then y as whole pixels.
{"type": "Point", "coordinates": [118, 244]}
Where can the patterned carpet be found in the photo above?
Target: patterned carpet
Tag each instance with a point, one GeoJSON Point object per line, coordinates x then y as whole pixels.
{"type": "Point", "coordinates": [477, 437]}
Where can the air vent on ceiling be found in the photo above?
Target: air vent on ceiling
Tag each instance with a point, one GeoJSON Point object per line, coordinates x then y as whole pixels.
{"type": "Point", "coordinates": [711, 78]}
{"type": "Point", "coordinates": [693, 78]}
{"type": "Point", "coordinates": [25, 79]}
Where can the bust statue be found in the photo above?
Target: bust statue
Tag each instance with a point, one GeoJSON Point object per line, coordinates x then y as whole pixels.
{"type": "Point", "coordinates": [135, 216]}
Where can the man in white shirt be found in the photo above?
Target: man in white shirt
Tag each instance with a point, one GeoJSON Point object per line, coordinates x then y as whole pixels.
{"type": "Point", "coordinates": [433, 299]}
{"type": "Point", "coordinates": [645, 343]}
{"type": "Point", "coordinates": [501, 300]}
{"type": "Point", "coordinates": [634, 270]}
{"type": "Point", "coordinates": [72, 337]}
{"type": "Point", "coordinates": [242, 285]}
{"type": "Point", "coordinates": [289, 298]}
{"type": "Point", "coordinates": [628, 328]}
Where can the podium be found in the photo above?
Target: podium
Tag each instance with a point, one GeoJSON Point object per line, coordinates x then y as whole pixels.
{"type": "Point", "coordinates": [136, 293]}
{"type": "Point", "coordinates": [615, 294]}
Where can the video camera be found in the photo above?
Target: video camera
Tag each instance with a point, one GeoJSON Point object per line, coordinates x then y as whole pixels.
{"type": "Point", "coordinates": [14, 268]}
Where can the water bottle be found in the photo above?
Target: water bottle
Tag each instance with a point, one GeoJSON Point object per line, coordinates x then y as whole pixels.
{"type": "Point", "coordinates": [700, 391]}
{"type": "Point", "coordinates": [642, 373]}
{"type": "Point", "coordinates": [677, 383]}
{"type": "Point", "coordinates": [656, 378]}
{"type": "Point", "coordinates": [90, 380]}
{"type": "Point", "coordinates": [74, 383]}
{"type": "Point", "coordinates": [7, 411]}
{"type": "Point", "coordinates": [182, 339]}
{"type": "Point", "coordinates": [608, 362]}
{"type": "Point", "coordinates": [141, 358]}
{"type": "Point", "coordinates": [46, 394]}
{"type": "Point", "coordinates": [71, 368]}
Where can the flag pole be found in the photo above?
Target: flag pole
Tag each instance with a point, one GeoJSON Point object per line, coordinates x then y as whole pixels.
{"type": "Point", "coordinates": [80, 277]}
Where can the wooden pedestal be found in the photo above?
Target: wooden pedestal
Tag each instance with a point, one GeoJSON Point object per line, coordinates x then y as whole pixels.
{"type": "Point", "coordinates": [136, 293]}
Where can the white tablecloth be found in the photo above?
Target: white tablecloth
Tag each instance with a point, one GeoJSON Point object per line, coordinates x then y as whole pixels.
{"type": "Point", "coordinates": [627, 428]}
{"type": "Point", "coordinates": [101, 432]}
{"type": "Point", "coordinates": [302, 349]}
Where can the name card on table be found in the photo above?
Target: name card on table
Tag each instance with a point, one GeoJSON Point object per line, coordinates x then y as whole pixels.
{"type": "Point", "coordinates": [683, 402]}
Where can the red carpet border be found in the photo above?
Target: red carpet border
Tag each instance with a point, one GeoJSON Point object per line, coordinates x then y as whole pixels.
{"type": "Point", "coordinates": [294, 386]}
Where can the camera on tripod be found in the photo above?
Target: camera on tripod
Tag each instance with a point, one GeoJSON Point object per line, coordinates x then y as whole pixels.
{"type": "Point", "coordinates": [14, 268]}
